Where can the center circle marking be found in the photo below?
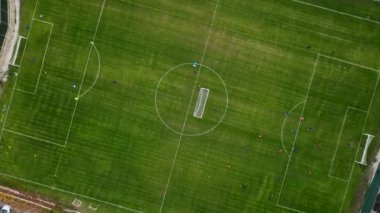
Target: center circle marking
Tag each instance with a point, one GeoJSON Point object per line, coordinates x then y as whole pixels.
{"type": "Point", "coordinates": [183, 133]}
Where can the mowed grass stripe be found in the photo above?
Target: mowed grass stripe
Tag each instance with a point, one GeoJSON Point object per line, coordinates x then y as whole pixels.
{"type": "Point", "coordinates": [124, 109]}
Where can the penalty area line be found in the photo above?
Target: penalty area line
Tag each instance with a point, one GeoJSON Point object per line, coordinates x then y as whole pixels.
{"type": "Point", "coordinates": [32, 137]}
{"type": "Point", "coordinates": [80, 86]}
{"type": "Point", "coordinates": [298, 127]}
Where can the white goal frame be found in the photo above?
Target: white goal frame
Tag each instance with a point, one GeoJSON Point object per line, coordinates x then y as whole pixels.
{"type": "Point", "coordinates": [201, 102]}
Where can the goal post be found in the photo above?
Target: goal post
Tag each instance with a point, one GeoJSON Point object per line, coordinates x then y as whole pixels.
{"type": "Point", "coordinates": [201, 102]}
{"type": "Point", "coordinates": [363, 160]}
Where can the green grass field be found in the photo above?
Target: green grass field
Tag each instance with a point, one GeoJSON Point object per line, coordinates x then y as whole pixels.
{"type": "Point", "coordinates": [101, 107]}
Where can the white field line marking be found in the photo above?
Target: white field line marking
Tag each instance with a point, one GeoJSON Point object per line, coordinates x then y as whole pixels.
{"type": "Point", "coordinates": [32, 137]}
{"type": "Point", "coordinates": [99, 19]}
{"type": "Point", "coordinates": [14, 86]}
{"type": "Point", "coordinates": [97, 75]}
{"type": "Point", "coordinates": [74, 111]}
{"type": "Point", "coordinates": [348, 62]}
{"type": "Point", "coordinates": [338, 12]}
{"type": "Point", "coordinates": [69, 192]}
{"type": "Point", "coordinates": [79, 90]}
{"type": "Point", "coordinates": [288, 208]}
{"type": "Point", "coordinates": [283, 125]}
{"type": "Point", "coordinates": [59, 161]}
{"type": "Point", "coordinates": [80, 86]}
{"type": "Point", "coordinates": [23, 37]}
{"type": "Point", "coordinates": [23, 91]}
{"type": "Point", "coordinates": [337, 144]}
{"type": "Point", "coordinates": [43, 59]}
{"type": "Point", "coordinates": [340, 135]}
{"type": "Point", "coordinates": [42, 21]}
{"type": "Point", "coordinates": [354, 108]}
{"type": "Point", "coordinates": [299, 125]}
{"type": "Point", "coordinates": [357, 150]}
{"type": "Point", "coordinates": [195, 134]}
{"type": "Point", "coordinates": [338, 178]}
{"type": "Point", "coordinates": [189, 106]}
{"type": "Point", "coordinates": [15, 65]}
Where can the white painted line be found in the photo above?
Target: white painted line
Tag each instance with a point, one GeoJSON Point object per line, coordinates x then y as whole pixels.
{"type": "Point", "coordinates": [45, 22]}
{"type": "Point", "coordinates": [288, 208]}
{"type": "Point", "coordinates": [189, 106]}
{"type": "Point", "coordinates": [32, 137]}
{"type": "Point", "coordinates": [340, 135]}
{"type": "Point", "coordinates": [192, 134]}
{"type": "Point", "coordinates": [79, 90]}
{"type": "Point", "coordinates": [283, 125]}
{"type": "Point", "coordinates": [357, 109]}
{"type": "Point", "coordinates": [337, 144]}
{"type": "Point", "coordinates": [338, 12]}
{"type": "Point", "coordinates": [15, 65]}
{"type": "Point", "coordinates": [97, 74]}
{"type": "Point", "coordinates": [69, 192]}
{"type": "Point", "coordinates": [43, 59]}
{"type": "Point", "coordinates": [357, 150]}
{"type": "Point", "coordinates": [99, 19]}
{"type": "Point", "coordinates": [338, 178]}
{"type": "Point", "coordinates": [80, 86]}
{"type": "Point", "coordinates": [23, 91]}
{"type": "Point", "coordinates": [59, 162]}
{"type": "Point", "coordinates": [299, 125]}
{"type": "Point", "coordinates": [348, 62]}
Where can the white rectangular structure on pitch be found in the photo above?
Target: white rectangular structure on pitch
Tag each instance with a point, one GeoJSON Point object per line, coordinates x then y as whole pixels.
{"type": "Point", "coordinates": [201, 103]}
{"type": "Point", "coordinates": [367, 143]}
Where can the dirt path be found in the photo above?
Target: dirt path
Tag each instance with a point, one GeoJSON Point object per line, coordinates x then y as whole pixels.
{"type": "Point", "coordinates": [10, 37]}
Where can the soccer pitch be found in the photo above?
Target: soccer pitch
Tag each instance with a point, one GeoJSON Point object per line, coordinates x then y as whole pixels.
{"type": "Point", "coordinates": [99, 104]}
